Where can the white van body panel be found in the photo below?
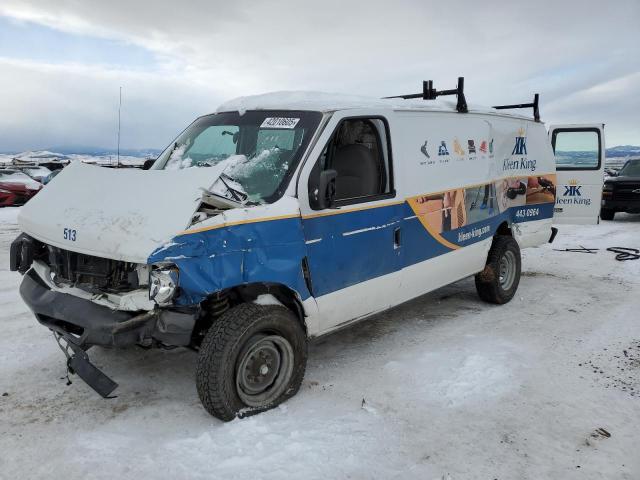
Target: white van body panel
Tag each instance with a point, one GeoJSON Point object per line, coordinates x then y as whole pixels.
{"type": "Point", "coordinates": [496, 163]}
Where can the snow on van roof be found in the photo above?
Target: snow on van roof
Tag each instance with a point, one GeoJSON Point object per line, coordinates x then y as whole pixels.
{"type": "Point", "coordinates": [327, 102]}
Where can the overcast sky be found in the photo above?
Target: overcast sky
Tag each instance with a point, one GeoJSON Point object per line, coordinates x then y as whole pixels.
{"type": "Point", "coordinates": [62, 62]}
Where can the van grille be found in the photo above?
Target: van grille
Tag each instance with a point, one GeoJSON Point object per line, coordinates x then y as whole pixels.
{"type": "Point", "coordinates": [91, 273]}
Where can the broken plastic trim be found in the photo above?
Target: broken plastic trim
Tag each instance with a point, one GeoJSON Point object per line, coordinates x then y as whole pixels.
{"type": "Point", "coordinates": [219, 202]}
{"type": "Point", "coordinates": [78, 363]}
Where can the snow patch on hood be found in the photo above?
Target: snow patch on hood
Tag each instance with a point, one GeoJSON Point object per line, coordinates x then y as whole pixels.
{"type": "Point", "coordinates": [122, 214]}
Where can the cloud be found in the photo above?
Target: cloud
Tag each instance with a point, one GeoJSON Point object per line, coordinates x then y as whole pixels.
{"type": "Point", "coordinates": [77, 104]}
{"type": "Point", "coordinates": [212, 50]}
{"type": "Point", "coordinates": [615, 103]}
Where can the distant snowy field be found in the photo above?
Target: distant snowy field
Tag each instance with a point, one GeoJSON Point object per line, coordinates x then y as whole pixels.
{"type": "Point", "coordinates": [46, 156]}
{"type": "Point", "coordinates": [444, 387]}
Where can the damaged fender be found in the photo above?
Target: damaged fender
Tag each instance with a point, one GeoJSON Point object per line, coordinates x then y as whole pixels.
{"type": "Point", "coordinates": [227, 255]}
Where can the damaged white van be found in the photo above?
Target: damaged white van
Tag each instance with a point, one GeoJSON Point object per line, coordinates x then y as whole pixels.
{"type": "Point", "coordinates": [278, 219]}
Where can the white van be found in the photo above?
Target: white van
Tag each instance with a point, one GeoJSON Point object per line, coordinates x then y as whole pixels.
{"type": "Point", "coordinates": [287, 216]}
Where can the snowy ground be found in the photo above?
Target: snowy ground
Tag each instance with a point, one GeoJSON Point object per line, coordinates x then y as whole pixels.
{"type": "Point", "coordinates": [444, 387]}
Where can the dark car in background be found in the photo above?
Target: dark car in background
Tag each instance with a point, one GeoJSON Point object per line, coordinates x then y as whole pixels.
{"type": "Point", "coordinates": [621, 192]}
{"type": "Point", "coordinates": [16, 188]}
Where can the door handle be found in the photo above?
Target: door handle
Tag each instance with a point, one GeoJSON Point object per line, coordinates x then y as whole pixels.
{"type": "Point", "coordinates": [396, 238]}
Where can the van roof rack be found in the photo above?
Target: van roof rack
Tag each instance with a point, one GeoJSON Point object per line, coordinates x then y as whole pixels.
{"type": "Point", "coordinates": [534, 105]}
{"type": "Point", "coordinates": [430, 93]}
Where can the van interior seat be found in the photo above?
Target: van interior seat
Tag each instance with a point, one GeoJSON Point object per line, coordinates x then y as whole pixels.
{"type": "Point", "coordinates": [358, 171]}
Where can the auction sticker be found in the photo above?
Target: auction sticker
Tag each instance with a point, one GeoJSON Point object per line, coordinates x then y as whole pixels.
{"type": "Point", "coordinates": [279, 122]}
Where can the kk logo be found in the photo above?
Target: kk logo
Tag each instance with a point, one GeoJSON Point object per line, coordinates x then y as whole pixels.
{"type": "Point", "coordinates": [573, 189]}
{"type": "Point", "coordinates": [520, 148]}
{"type": "Point", "coordinates": [442, 149]}
{"type": "Point", "coordinates": [423, 149]}
{"type": "Point", "coordinates": [458, 148]}
{"type": "Point", "coordinates": [483, 146]}
{"type": "Point", "coordinates": [472, 146]}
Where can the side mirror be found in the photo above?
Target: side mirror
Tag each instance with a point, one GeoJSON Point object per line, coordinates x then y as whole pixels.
{"type": "Point", "coordinates": [148, 163]}
{"type": "Point", "coordinates": [325, 195]}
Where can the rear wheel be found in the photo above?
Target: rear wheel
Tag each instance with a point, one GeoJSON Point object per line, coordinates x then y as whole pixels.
{"type": "Point", "coordinates": [499, 280]}
{"type": "Point", "coordinates": [251, 359]}
{"type": "Point", "coordinates": [607, 214]}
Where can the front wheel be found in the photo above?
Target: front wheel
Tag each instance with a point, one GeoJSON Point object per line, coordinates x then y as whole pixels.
{"type": "Point", "coordinates": [607, 214]}
{"type": "Point", "coordinates": [251, 359]}
{"type": "Point", "coordinates": [499, 280]}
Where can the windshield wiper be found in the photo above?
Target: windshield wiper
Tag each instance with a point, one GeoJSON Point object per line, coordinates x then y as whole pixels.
{"type": "Point", "coordinates": [218, 201]}
{"type": "Point", "coordinates": [238, 195]}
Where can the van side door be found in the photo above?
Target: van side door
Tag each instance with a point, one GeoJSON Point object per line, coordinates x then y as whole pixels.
{"type": "Point", "coordinates": [353, 245]}
{"type": "Point", "coordinates": [580, 156]}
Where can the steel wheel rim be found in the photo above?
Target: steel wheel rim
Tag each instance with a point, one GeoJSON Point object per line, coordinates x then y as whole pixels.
{"type": "Point", "coordinates": [507, 270]}
{"type": "Point", "coordinates": [264, 369]}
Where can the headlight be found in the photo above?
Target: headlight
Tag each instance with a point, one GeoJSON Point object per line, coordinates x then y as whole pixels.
{"type": "Point", "coordinates": [163, 283]}
{"type": "Point", "coordinates": [607, 187]}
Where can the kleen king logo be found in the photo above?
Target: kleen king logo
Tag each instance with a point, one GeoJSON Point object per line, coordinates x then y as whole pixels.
{"type": "Point", "coordinates": [520, 148]}
{"type": "Point", "coordinates": [573, 189]}
{"type": "Point", "coordinates": [519, 164]}
{"type": "Point", "coordinates": [572, 195]}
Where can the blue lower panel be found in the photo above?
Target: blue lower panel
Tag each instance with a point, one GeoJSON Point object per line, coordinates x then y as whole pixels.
{"type": "Point", "coordinates": [417, 244]}
{"type": "Point", "coordinates": [342, 249]}
{"type": "Point", "coordinates": [352, 247]}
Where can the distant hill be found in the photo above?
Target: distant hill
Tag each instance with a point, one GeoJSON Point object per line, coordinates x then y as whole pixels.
{"type": "Point", "coordinates": [91, 151]}
{"type": "Point", "coordinates": [101, 152]}
{"type": "Point", "coordinates": [624, 151]}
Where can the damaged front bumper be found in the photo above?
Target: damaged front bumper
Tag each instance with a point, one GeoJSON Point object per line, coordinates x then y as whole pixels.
{"type": "Point", "coordinates": [85, 323]}
{"type": "Point", "coordinates": [78, 324]}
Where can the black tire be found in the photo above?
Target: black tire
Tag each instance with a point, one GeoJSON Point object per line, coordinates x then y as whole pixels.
{"type": "Point", "coordinates": [244, 335]}
{"type": "Point", "coordinates": [607, 214]}
{"type": "Point", "coordinates": [494, 284]}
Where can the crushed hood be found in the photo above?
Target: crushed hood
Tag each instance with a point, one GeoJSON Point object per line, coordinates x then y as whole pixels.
{"type": "Point", "coordinates": [122, 214]}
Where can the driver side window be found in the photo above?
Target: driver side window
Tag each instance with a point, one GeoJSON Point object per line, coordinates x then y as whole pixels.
{"type": "Point", "coordinates": [359, 154]}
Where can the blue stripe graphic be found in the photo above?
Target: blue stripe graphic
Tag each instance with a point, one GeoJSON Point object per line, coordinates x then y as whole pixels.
{"type": "Point", "coordinates": [342, 249]}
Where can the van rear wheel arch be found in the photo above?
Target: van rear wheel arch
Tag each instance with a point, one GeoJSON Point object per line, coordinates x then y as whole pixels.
{"type": "Point", "coordinates": [504, 229]}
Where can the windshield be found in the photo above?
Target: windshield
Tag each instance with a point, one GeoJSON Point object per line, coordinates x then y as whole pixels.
{"type": "Point", "coordinates": [630, 169]}
{"type": "Point", "coordinates": [260, 149]}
